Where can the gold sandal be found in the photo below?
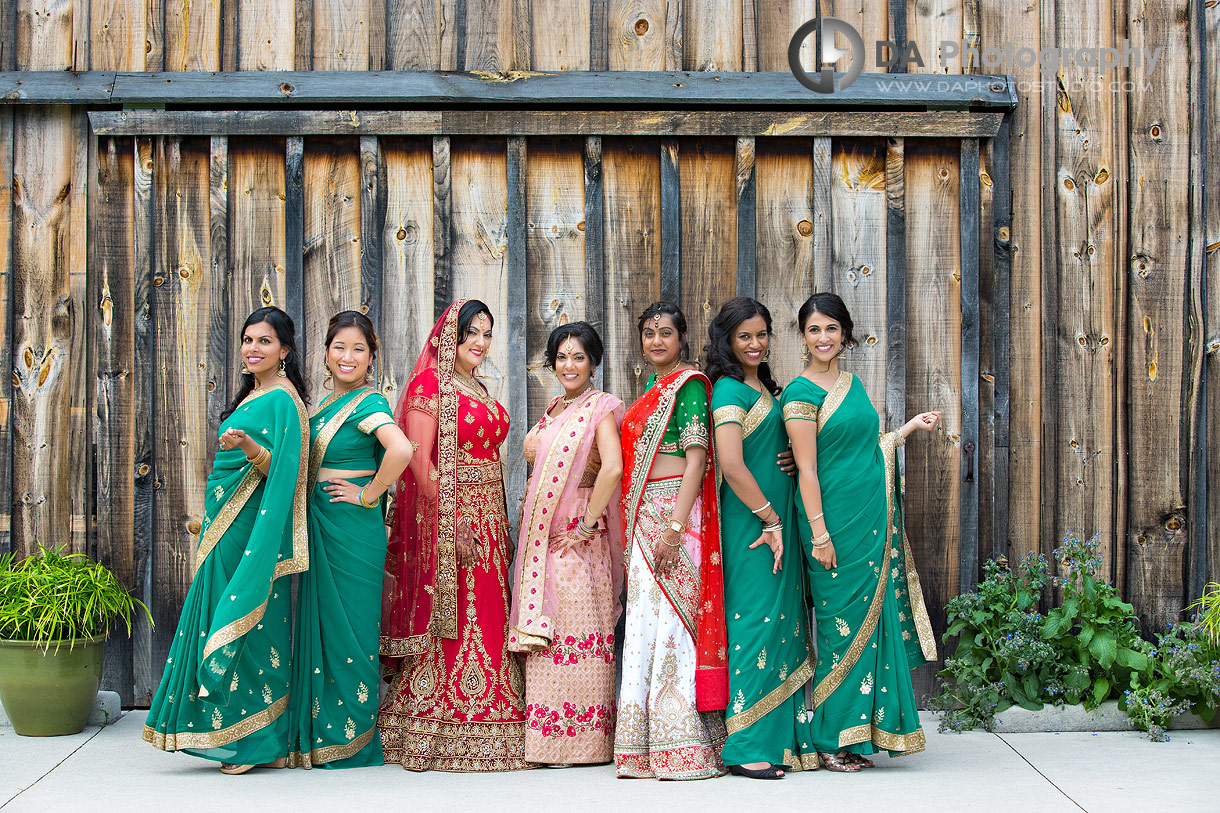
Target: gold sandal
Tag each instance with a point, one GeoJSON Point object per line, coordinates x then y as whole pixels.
{"type": "Point", "coordinates": [859, 759]}
{"type": "Point", "coordinates": [233, 768]}
{"type": "Point", "coordinates": [837, 764]}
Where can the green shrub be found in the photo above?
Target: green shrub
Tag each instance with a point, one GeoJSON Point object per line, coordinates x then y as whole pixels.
{"type": "Point", "coordinates": [52, 598]}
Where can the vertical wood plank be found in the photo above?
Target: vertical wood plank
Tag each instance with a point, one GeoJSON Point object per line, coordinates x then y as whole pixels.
{"type": "Point", "coordinates": [8, 37]}
{"type": "Point", "coordinates": [413, 35]}
{"type": "Point", "coordinates": [407, 259]}
{"type": "Point", "coordinates": [969, 281]}
{"type": "Point", "coordinates": [332, 268]}
{"type": "Point", "coordinates": [595, 244]}
{"type": "Point", "coordinates": [302, 46]}
{"type": "Point", "coordinates": [1207, 113]}
{"type": "Point", "coordinates": [442, 224]}
{"type": "Point", "coordinates": [118, 31]}
{"type": "Point", "coordinates": [294, 242]}
{"type": "Point", "coordinates": [556, 231]}
{"type": "Point", "coordinates": [193, 35]}
{"type": "Point", "coordinates": [1197, 516]}
{"type": "Point", "coordinates": [777, 22]}
{"type": "Point", "coordinates": [671, 222]}
{"type": "Point", "coordinates": [870, 17]}
{"type": "Point", "coordinates": [257, 229]}
{"type": "Point", "coordinates": [929, 23]}
{"type": "Point", "coordinates": [151, 51]}
{"type": "Point", "coordinates": [373, 194]}
{"type": "Point", "coordinates": [80, 384]}
{"type": "Point", "coordinates": [43, 328]}
{"type": "Point", "coordinates": [6, 323]}
{"type": "Point", "coordinates": [823, 217]}
{"type": "Point", "coordinates": [146, 665]}
{"type": "Point", "coordinates": [1088, 205]}
{"type": "Point", "coordinates": [220, 364]}
{"type": "Point", "coordinates": [1023, 252]}
{"type": "Point", "coordinates": [932, 508]}
{"type": "Point", "coordinates": [180, 300]}
{"type": "Point", "coordinates": [712, 35]}
{"type": "Point", "coordinates": [708, 232]}
{"type": "Point", "coordinates": [784, 233]}
{"type": "Point", "coordinates": [858, 251]}
{"type": "Point", "coordinates": [674, 36]}
{"type": "Point", "coordinates": [229, 21]}
{"type": "Point", "coordinates": [1158, 371]}
{"type": "Point", "coordinates": [747, 218]}
{"type": "Point", "coordinates": [895, 282]}
{"type": "Point", "coordinates": [637, 35]}
{"type": "Point", "coordinates": [113, 295]}
{"type": "Point", "coordinates": [599, 36]}
{"type": "Point", "coordinates": [342, 34]}
{"type": "Point", "coordinates": [1002, 319]}
{"type": "Point", "coordinates": [44, 35]}
{"type": "Point", "coordinates": [265, 39]}
{"type": "Point", "coordinates": [516, 396]}
{"type": "Point", "coordinates": [749, 35]}
{"type": "Point", "coordinates": [489, 36]}
{"type": "Point", "coordinates": [560, 39]}
{"type": "Point", "coordinates": [632, 176]}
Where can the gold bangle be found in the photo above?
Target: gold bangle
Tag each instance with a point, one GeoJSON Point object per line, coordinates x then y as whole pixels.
{"type": "Point", "coordinates": [387, 486]}
{"type": "Point", "coordinates": [257, 455]}
{"type": "Point", "coordinates": [677, 544]}
{"type": "Point", "coordinates": [360, 497]}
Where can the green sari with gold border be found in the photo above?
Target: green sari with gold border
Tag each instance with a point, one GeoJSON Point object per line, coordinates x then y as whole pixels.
{"type": "Point", "coordinates": [872, 627]}
{"type": "Point", "coordinates": [225, 687]}
{"type": "Point", "coordinates": [335, 669]}
{"type": "Point", "coordinates": [769, 658]}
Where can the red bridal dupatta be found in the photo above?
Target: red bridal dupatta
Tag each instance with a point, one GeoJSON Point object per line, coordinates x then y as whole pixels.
{"type": "Point", "coordinates": [551, 507]}
{"type": "Point", "coordinates": [642, 429]}
{"type": "Point", "coordinates": [419, 597]}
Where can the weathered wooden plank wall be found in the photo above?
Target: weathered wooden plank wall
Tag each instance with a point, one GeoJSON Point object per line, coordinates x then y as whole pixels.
{"type": "Point", "coordinates": [128, 264]}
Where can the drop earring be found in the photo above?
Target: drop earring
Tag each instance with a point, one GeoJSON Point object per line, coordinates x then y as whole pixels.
{"type": "Point", "coordinates": [244, 369]}
{"type": "Point", "coordinates": [805, 355]}
{"type": "Point", "coordinates": [328, 380]}
{"type": "Point", "coordinates": [283, 373]}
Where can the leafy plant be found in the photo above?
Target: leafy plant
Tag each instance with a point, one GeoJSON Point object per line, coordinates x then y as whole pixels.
{"type": "Point", "coordinates": [52, 598]}
{"type": "Point", "coordinates": [1182, 674]}
{"type": "Point", "coordinates": [1083, 651]}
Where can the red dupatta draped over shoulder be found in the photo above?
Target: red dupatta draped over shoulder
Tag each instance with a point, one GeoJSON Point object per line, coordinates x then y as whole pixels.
{"type": "Point", "coordinates": [642, 429]}
{"type": "Point", "coordinates": [420, 589]}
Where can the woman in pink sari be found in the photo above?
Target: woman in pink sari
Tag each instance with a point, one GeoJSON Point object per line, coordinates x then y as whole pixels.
{"type": "Point", "coordinates": [454, 703]}
{"type": "Point", "coordinates": [569, 566]}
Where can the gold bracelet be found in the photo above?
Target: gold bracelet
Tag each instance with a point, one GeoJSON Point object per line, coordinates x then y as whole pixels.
{"type": "Point", "coordinates": [386, 486]}
{"type": "Point", "coordinates": [257, 455]}
{"type": "Point", "coordinates": [261, 457]}
{"type": "Point", "coordinates": [360, 497]}
{"type": "Point", "coordinates": [677, 544]}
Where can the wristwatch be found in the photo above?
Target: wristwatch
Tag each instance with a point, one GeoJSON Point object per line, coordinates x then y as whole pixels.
{"type": "Point", "coordinates": [676, 527]}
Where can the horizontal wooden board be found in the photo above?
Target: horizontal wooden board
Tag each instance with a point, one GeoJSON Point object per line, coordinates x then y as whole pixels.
{"type": "Point", "coordinates": [966, 124]}
{"type": "Point", "coordinates": [728, 89]}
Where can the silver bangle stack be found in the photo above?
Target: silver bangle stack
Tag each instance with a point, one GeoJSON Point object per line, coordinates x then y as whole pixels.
{"type": "Point", "coordinates": [774, 526]}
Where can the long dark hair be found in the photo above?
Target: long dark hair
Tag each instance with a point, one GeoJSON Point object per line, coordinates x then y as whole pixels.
{"type": "Point", "coordinates": [675, 314]}
{"type": "Point", "coordinates": [831, 305]}
{"type": "Point", "coordinates": [467, 314]}
{"type": "Point", "coordinates": [356, 319]}
{"type": "Point", "coordinates": [286, 332]}
{"type": "Point", "coordinates": [582, 332]}
{"type": "Point", "coordinates": [719, 360]}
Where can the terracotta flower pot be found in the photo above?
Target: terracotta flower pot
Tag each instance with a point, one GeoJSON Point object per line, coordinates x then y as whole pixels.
{"type": "Point", "coordinates": [45, 692]}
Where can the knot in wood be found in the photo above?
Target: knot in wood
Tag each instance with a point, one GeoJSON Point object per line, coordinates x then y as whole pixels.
{"type": "Point", "coordinates": [641, 27]}
{"type": "Point", "coordinates": [286, 88]}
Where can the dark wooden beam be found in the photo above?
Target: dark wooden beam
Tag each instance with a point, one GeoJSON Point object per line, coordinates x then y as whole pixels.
{"type": "Point", "coordinates": [671, 223]}
{"type": "Point", "coordinates": [578, 89]}
{"type": "Point", "coordinates": [1001, 174]}
{"type": "Point", "coordinates": [294, 236]}
{"type": "Point", "coordinates": [741, 124]}
{"type": "Point", "coordinates": [895, 283]}
{"type": "Point", "coordinates": [515, 268]}
{"type": "Point", "coordinates": [969, 236]}
{"type": "Point", "coordinates": [373, 201]}
{"type": "Point", "coordinates": [747, 220]}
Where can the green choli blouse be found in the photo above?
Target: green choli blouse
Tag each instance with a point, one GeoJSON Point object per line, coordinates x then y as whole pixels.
{"type": "Point", "coordinates": [689, 424]}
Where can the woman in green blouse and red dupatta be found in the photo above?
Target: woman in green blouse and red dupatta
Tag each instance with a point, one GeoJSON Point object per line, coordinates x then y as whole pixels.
{"type": "Point", "coordinates": [675, 673]}
{"type": "Point", "coordinates": [872, 627]}
{"type": "Point", "coordinates": [357, 452]}
{"type": "Point", "coordinates": [764, 578]}
{"type": "Point", "coordinates": [225, 687]}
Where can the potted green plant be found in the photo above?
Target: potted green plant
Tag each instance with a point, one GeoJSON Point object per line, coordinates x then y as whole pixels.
{"type": "Point", "coordinates": [56, 612]}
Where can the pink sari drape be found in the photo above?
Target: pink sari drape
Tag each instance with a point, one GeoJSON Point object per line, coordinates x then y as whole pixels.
{"type": "Point", "coordinates": [552, 506]}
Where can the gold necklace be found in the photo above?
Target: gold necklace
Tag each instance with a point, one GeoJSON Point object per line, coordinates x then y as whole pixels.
{"type": "Point", "coordinates": [661, 375]}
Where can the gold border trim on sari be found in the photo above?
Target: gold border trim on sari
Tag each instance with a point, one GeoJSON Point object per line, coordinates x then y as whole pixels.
{"type": "Point", "coordinates": [317, 449]}
{"type": "Point", "coordinates": [371, 423]}
{"type": "Point", "coordinates": [299, 561]}
{"type": "Point", "coordinates": [757, 414]}
{"type": "Point", "coordinates": [889, 442]}
{"type": "Point", "coordinates": [800, 411]}
{"type": "Point", "coordinates": [728, 414]}
{"type": "Point", "coordinates": [217, 528]}
{"type": "Point", "coordinates": [215, 739]}
{"type": "Point", "coordinates": [906, 744]}
{"type": "Point", "coordinates": [834, 398]}
{"type": "Point", "coordinates": [747, 718]}
{"type": "Point", "coordinates": [330, 753]}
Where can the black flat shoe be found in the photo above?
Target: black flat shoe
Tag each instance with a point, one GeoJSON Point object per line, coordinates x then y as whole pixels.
{"type": "Point", "coordinates": [770, 772]}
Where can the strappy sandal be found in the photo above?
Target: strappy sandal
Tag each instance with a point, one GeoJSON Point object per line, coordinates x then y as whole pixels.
{"type": "Point", "coordinates": [233, 768]}
{"type": "Point", "coordinates": [860, 759]}
{"type": "Point", "coordinates": [769, 772]}
{"type": "Point", "coordinates": [837, 764]}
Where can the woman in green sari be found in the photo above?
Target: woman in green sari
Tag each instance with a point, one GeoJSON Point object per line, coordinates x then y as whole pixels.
{"type": "Point", "coordinates": [357, 452]}
{"type": "Point", "coordinates": [872, 628]}
{"type": "Point", "coordinates": [769, 661]}
{"type": "Point", "coordinates": [225, 687]}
